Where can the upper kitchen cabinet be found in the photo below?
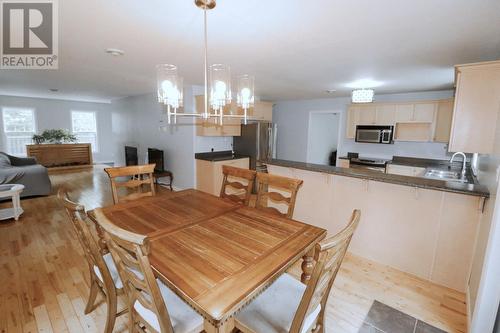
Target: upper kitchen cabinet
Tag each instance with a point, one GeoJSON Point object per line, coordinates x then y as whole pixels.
{"type": "Point", "coordinates": [416, 112]}
{"type": "Point", "coordinates": [422, 121]}
{"type": "Point", "coordinates": [231, 127]}
{"type": "Point", "coordinates": [477, 104]}
{"type": "Point", "coordinates": [262, 111]}
{"type": "Point", "coordinates": [385, 114]}
{"type": "Point", "coordinates": [443, 121]}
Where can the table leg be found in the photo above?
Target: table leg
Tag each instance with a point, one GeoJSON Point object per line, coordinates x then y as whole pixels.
{"type": "Point", "coordinates": [15, 205]}
{"type": "Point", "coordinates": [226, 327]}
{"type": "Point", "coordinates": [307, 266]}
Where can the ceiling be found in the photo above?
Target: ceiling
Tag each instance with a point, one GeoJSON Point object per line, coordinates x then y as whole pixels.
{"type": "Point", "coordinates": [296, 49]}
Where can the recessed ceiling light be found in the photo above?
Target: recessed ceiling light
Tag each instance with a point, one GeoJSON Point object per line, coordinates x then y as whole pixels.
{"type": "Point", "coordinates": [115, 52]}
{"type": "Point", "coordinates": [330, 91]}
{"type": "Point", "coordinates": [54, 89]}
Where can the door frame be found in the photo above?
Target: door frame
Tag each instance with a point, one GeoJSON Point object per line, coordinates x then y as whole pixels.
{"type": "Point", "coordinates": [339, 134]}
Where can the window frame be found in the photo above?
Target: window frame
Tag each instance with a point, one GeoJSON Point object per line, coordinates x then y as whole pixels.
{"type": "Point", "coordinates": [95, 148]}
{"type": "Point", "coordinates": [5, 132]}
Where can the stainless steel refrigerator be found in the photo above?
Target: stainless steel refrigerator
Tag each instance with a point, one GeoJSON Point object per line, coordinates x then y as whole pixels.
{"type": "Point", "coordinates": [257, 140]}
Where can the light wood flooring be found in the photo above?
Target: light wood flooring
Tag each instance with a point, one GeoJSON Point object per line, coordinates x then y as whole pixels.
{"type": "Point", "coordinates": [43, 276]}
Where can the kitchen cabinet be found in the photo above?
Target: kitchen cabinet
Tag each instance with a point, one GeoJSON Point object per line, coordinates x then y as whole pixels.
{"type": "Point", "coordinates": [421, 121]}
{"type": "Point", "coordinates": [385, 114]}
{"type": "Point", "coordinates": [231, 127]}
{"type": "Point", "coordinates": [428, 233]}
{"type": "Point", "coordinates": [404, 170]}
{"type": "Point", "coordinates": [477, 107]}
{"type": "Point", "coordinates": [404, 112]}
{"type": "Point", "coordinates": [262, 111]}
{"type": "Point", "coordinates": [416, 112]}
{"type": "Point", "coordinates": [209, 173]}
{"type": "Point", "coordinates": [443, 121]}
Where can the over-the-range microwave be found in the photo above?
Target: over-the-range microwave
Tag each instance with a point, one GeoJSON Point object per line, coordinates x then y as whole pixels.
{"type": "Point", "coordinates": [374, 134]}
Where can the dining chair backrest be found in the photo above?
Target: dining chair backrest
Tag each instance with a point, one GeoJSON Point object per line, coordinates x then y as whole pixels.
{"type": "Point", "coordinates": [328, 255]}
{"type": "Point", "coordinates": [285, 185]}
{"type": "Point", "coordinates": [130, 252]}
{"type": "Point", "coordinates": [135, 176]}
{"type": "Point", "coordinates": [232, 175]}
{"type": "Point", "coordinates": [88, 239]}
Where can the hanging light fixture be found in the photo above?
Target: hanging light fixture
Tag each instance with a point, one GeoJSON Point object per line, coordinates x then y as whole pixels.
{"type": "Point", "coordinates": [217, 77]}
{"type": "Point", "coordinates": [245, 97]}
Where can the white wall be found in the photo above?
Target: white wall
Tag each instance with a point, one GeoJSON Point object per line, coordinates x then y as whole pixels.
{"type": "Point", "coordinates": [56, 114]}
{"type": "Point", "coordinates": [292, 118]}
{"type": "Point", "coordinates": [177, 141]}
{"type": "Point", "coordinates": [322, 136]}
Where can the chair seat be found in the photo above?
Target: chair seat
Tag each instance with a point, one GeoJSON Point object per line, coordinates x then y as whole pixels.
{"type": "Point", "coordinates": [113, 271]}
{"type": "Point", "coordinates": [273, 311]}
{"type": "Point", "coordinates": [184, 319]}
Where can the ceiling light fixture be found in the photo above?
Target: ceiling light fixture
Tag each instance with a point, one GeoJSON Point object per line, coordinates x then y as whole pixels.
{"type": "Point", "coordinates": [362, 95]}
{"type": "Point", "coordinates": [217, 77]}
{"type": "Point", "coordinates": [115, 52]}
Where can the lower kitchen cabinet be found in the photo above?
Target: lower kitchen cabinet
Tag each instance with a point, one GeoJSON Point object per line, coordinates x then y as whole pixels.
{"type": "Point", "coordinates": [209, 174]}
{"type": "Point", "coordinates": [427, 233]}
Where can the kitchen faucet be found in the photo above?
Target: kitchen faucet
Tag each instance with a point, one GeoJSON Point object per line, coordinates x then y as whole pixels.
{"type": "Point", "coordinates": [464, 161]}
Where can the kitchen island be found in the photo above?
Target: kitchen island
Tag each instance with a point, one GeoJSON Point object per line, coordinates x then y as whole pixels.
{"type": "Point", "coordinates": [421, 226]}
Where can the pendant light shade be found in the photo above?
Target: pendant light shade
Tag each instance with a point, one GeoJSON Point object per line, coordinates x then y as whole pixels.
{"type": "Point", "coordinates": [170, 86]}
{"type": "Point", "coordinates": [220, 86]}
{"type": "Point", "coordinates": [245, 96]}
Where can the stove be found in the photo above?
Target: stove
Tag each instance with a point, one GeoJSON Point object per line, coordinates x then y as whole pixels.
{"type": "Point", "coordinates": [368, 164]}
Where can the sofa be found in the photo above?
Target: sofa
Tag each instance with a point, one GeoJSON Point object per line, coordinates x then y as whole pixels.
{"type": "Point", "coordinates": [25, 171]}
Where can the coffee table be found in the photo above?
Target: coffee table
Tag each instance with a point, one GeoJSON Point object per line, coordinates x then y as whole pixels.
{"type": "Point", "coordinates": [13, 191]}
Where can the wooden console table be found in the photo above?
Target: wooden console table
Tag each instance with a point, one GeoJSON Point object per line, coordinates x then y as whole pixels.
{"type": "Point", "coordinates": [62, 156]}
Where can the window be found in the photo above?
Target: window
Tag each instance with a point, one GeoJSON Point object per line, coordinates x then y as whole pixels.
{"type": "Point", "coordinates": [85, 127]}
{"type": "Point", "coordinates": [18, 127]}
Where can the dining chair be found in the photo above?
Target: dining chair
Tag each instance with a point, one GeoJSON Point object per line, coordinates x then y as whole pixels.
{"type": "Point", "coordinates": [135, 176]}
{"type": "Point", "coordinates": [232, 177]}
{"type": "Point", "coordinates": [153, 306]}
{"type": "Point", "coordinates": [290, 306]}
{"type": "Point", "coordinates": [103, 273]}
{"type": "Point", "coordinates": [285, 185]}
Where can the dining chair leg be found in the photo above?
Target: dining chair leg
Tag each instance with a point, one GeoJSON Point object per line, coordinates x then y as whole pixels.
{"type": "Point", "coordinates": [111, 301]}
{"type": "Point", "coordinates": [94, 289]}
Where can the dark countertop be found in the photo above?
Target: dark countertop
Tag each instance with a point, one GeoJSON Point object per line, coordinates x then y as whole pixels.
{"type": "Point", "coordinates": [425, 162]}
{"type": "Point", "coordinates": [217, 156]}
{"type": "Point", "coordinates": [433, 184]}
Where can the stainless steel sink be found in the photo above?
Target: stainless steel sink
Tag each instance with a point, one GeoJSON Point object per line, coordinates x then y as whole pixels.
{"type": "Point", "coordinates": [447, 175]}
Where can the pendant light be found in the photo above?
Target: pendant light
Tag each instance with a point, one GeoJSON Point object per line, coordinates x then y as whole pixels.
{"type": "Point", "coordinates": [217, 86]}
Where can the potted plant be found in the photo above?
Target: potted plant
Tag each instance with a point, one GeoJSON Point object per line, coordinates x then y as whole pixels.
{"type": "Point", "coordinates": [57, 136]}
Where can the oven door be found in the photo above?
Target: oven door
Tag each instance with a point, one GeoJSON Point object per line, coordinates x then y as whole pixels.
{"type": "Point", "coordinates": [368, 135]}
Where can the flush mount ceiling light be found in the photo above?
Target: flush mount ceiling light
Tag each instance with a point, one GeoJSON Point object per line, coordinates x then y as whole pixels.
{"type": "Point", "coordinates": [115, 52]}
{"type": "Point", "coordinates": [362, 95]}
{"type": "Point", "coordinates": [217, 84]}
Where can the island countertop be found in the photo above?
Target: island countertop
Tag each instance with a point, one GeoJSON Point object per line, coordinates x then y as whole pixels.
{"type": "Point", "coordinates": [419, 182]}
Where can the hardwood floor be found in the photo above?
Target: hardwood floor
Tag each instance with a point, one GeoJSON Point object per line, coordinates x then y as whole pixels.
{"type": "Point", "coordinates": [44, 287]}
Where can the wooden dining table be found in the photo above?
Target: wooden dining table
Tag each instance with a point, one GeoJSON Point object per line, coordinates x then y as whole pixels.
{"type": "Point", "coordinates": [215, 254]}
